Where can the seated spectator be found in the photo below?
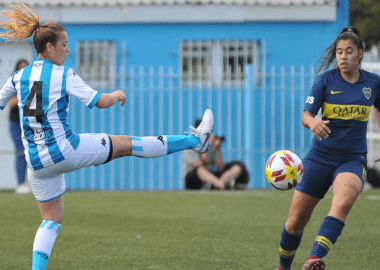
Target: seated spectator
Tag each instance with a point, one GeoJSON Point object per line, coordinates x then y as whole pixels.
{"type": "Point", "coordinates": [208, 170]}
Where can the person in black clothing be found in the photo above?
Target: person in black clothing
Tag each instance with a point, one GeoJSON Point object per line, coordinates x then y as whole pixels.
{"type": "Point", "coordinates": [209, 170]}
{"type": "Point", "coordinates": [22, 188]}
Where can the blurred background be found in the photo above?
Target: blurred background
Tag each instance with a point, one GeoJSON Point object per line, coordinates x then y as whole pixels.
{"type": "Point", "coordinates": [251, 61]}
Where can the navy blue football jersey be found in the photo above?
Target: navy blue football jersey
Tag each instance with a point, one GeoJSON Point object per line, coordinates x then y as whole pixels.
{"type": "Point", "coordinates": [347, 106]}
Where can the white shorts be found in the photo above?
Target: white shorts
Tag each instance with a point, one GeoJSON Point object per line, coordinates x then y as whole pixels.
{"type": "Point", "coordinates": [49, 183]}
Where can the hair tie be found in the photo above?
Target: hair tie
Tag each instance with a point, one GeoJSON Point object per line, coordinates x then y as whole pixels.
{"type": "Point", "coordinates": [350, 30]}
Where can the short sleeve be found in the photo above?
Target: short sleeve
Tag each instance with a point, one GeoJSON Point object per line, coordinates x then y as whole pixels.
{"type": "Point", "coordinates": [6, 93]}
{"type": "Point", "coordinates": [315, 99]}
{"type": "Point", "coordinates": [78, 88]}
{"type": "Point", "coordinates": [377, 100]}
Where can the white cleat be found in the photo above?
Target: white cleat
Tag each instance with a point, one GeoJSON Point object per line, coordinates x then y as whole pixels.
{"type": "Point", "coordinates": [203, 131]}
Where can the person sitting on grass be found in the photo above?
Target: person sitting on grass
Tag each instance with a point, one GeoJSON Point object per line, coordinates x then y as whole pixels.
{"type": "Point", "coordinates": [204, 170]}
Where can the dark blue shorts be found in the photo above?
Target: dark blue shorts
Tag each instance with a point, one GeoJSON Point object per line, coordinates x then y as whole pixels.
{"type": "Point", "coordinates": [320, 171]}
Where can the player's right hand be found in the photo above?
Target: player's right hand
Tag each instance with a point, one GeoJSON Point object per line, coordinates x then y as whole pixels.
{"type": "Point", "coordinates": [320, 129]}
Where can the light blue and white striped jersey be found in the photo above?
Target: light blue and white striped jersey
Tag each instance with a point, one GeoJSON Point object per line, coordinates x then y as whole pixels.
{"type": "Point", "coordinates": [43, 91]}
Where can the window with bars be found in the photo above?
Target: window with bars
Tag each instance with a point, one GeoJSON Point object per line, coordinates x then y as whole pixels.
{"type": "Point", "coordinates": [97, 63]}
{"type": "Point", "coordinates": [217, 62]}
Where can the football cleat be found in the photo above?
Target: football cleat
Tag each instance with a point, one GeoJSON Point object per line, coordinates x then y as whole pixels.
{"type": "Point", "coordinates": [203, 131]}
{"type": "Point", "coordinates": [314, 263]}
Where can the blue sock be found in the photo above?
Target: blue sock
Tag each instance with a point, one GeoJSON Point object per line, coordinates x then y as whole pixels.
{"type": "Point", "coordinates": [43, 243]}
{"type": "Point", "coordinates": [288, 247]}
{"type": "Point", "coordinates": [152, 147]}
{"type": "Point", "coordinates": [328, 233]}
{"type": "Point", "coordinates": [40, 260]}
{"type": "Point", "coordinates": [181, 142]}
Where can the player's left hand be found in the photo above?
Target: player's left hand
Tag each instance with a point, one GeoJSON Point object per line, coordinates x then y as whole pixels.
{"type": "Point", "coordinates": [120, 95]}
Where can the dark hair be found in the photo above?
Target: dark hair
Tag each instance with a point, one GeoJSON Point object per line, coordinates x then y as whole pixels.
{"type": "Point", "coordinates": [17, 67]}
{"type": "Point", "coordinates": [48, 32]}
{"type": "Point", "coordinates": [329, 55]}
{"type": "Point", "coordinates": [24, 22]}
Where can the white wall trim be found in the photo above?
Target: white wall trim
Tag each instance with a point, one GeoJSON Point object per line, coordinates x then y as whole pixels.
{"type": "Point", "coordinates": [182, 14]}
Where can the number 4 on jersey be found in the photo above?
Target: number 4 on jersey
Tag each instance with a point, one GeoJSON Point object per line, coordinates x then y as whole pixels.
{"type": "Point", "coordinates": [38, 112]}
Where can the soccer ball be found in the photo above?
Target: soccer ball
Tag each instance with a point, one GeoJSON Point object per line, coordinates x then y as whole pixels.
{"type": "Point", "coordinates": [284, 170]}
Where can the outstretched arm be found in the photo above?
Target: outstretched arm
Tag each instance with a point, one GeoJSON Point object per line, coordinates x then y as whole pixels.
{"type": "Point", "coordinates": [107, 100]}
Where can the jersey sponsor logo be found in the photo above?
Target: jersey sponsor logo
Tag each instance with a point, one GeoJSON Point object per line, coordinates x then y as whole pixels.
{"type": "Point", "coordinates": [346, 111]}
{"type": "Point", "coordinates": [33, 135]}
{"type": "Point", "coordinates": [367, 92]}
{"type": "Point", "coordinates": [335, 92]}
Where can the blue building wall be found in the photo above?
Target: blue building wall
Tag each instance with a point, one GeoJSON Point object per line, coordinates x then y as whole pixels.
{"type": "Point", "coordinates": [158, 44]}
{"type": "Point", "coordinates": [286, 43]}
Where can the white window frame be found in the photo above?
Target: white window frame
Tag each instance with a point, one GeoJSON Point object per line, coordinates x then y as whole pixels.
{"type": "Point", "coordinates": [217, 63]}
{"type": "Point", "coordinates": [96, 62]}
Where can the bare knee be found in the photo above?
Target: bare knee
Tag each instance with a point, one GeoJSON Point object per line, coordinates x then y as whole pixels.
{"type": "Point", "coordinates": [237, 169]}
{"type": "Point", "coordinates": [340, 210]}
{"type": "Point", "coordinates": [296, 224]}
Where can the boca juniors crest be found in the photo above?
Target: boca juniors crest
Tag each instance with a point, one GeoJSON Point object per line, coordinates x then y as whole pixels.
{"type": "Point", "coordinates": [367, 92]}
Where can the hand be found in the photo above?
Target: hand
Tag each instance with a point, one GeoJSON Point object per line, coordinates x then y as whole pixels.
{"type": "Point", "coordinates": [120, 96]}
{"type": "Point", "coordinates": [320, 129]}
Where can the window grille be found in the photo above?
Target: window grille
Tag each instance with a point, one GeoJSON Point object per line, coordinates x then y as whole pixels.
{"type": "Point", "coordinates": [217, 62]}
{"type": "Point", "coordinates": [97, 63]}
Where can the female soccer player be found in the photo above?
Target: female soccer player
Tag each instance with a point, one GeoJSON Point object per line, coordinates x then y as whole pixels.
{"type": "Point", "coordinates": [51, 148]}
{"type": "Point", "coordinates": [338, 152]}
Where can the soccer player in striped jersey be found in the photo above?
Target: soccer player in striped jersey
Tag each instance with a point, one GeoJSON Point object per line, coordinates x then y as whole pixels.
{"type": "Point", "coordinates": [43, 89]}
{"type": "Point", "coordinates": [337, 156]}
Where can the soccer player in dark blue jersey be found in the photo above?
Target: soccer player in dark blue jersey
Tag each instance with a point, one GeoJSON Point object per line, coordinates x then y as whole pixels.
{"type": "Point", "coordinates": [337, 156]}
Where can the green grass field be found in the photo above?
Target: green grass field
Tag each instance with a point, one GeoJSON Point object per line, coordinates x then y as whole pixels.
{"type": "Point", "coordinates": [181, 230]}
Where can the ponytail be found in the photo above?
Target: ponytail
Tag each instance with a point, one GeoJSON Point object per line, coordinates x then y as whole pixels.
{"type": "Point", "coordinates": [24, 22]}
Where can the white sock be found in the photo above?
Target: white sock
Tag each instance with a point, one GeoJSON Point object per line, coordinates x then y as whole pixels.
{"type": "Point", "coordinates": [149, 147]}
{"type": "Point", "coordinates": [43, 243]}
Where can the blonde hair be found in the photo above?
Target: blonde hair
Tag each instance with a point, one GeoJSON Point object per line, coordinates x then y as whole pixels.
{"type": "Point", "coordinates": [24, 22]}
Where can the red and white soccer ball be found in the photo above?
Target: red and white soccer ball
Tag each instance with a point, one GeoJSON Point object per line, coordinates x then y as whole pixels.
{"type": "Point", "coordinates": [284, 170]}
